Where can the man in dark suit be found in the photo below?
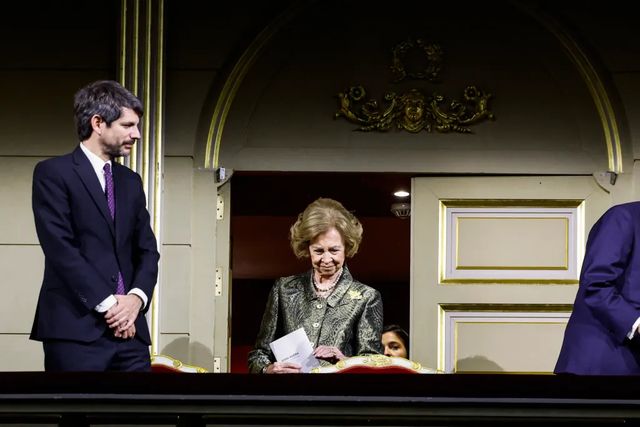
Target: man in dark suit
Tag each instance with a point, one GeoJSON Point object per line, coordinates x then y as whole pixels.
{"type": "Point", "coordinates": [101, 258]}
{"type": "Point", "coordinates": [602, 334]}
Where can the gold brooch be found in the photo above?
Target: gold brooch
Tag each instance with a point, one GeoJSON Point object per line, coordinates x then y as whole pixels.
{"type": "Point", "coordinates": [355, 295]}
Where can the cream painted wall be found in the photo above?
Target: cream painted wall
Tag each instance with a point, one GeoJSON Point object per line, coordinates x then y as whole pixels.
{"type": "Point", "coordinates": [43, 64]}
{"type": "Point", "coordinates": [281, 119]}
{"type": "Point", "coordinates": [37, 125]}
{"type": "Point", "coordinates": [175, 287]}
{"type": "Point", "coordinates": [546, 121]}
{"type": "Point", "coordinates": [29, 132]}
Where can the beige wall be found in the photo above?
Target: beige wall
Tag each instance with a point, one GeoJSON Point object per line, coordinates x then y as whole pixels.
{"type": "Point", "coordinates": [546, 120]}
{"type": "Point", "coordinates": [281, 119]}
{"type": "Point", "coordinates": [280, 111]}
{"type": "Point", "coordinates": [44, 63]}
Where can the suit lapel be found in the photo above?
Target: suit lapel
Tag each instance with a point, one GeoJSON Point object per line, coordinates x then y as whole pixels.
{"type": "Point", "coordinates": [83, 168]}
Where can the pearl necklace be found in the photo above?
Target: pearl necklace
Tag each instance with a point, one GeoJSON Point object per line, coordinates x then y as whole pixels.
{"type": "Point", "coordinates": [323, 291]}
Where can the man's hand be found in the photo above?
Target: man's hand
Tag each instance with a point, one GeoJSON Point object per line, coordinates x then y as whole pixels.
{"type": "Point", "coordinates": [128, 333]}
{"type": "Point", "coordinates": [122, 315]}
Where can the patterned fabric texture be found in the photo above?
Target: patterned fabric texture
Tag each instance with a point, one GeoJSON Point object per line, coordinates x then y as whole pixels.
{"type": "Point", "coordinates": [349, 319]}
{"type": "Point", "coordinates": [111, 203]}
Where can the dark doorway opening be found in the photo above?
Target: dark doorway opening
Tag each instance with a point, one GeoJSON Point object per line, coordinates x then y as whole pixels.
{"type": "Point", "coordinates": [263, 207]}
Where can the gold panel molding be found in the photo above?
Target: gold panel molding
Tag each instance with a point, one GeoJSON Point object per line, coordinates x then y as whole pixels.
{"type": "Point", "coordinates": [141, 70]}
{"type": "Point", "coordinates": [447, 339]}
{"type": "Point", "coordinates": [593, 81]}
{"type": "Point", "coordinates": [454, 272]}
{"type": "Point", "coordinates": [511, 203]}
{"type": "Point", "coordinates": [234, 80]}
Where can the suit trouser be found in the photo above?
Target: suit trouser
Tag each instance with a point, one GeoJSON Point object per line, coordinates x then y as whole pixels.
{"type": "Point", "coordinates": [107, 353]}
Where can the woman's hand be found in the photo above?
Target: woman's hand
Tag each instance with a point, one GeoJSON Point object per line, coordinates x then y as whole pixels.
{"type": "Point", "coordinates": [328, 353]}
{"type": "Point", "coordinates": [283, 368]}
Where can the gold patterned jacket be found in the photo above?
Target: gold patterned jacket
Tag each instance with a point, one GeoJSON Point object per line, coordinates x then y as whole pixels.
{"type": "Point", "coordinates": [349, 319]}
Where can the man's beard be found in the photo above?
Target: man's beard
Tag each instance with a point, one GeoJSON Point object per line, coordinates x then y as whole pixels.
{"type": "Point", "coordinates": [119, 150]}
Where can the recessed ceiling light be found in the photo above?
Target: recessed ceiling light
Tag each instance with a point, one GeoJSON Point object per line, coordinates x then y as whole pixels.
{"type": "Point", "coordinates": [401, 193]}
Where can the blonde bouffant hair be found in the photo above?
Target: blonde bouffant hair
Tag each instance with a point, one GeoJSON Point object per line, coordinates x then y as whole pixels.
{"type": "Point", "coordinates": [318, 218]}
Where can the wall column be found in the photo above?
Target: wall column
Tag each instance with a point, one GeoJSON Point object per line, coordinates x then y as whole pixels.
{"type": "Point", "coordinates": [141, 70]}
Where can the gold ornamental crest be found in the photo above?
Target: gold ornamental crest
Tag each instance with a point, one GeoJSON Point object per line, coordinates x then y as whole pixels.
{"type": "Point", "coordinates": [416, 109]}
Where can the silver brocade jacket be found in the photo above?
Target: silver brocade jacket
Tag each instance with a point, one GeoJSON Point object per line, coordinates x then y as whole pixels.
{"type": "Point", "coordinates": [349, 319]}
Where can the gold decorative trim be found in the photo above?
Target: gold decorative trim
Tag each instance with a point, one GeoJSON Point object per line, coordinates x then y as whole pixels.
{"type": "Point", "coordinates": [506, 372]}
{"type": "Point", "coordinates": [175, 363]}
{"type": "Point", "coordinates": [232, 84]}
{"type": "Point", "coordinates": [432, 54]}
{"type": "Point", "coordinates": [441, 351]}
{"type": "Point", "coordinates": [136, 45]}
{"type": "Point", "coordinates": [147, 95]}
{"type": "Point", "coordinates": [144, 167]}
{"type": "Point", "coordinates": [472, 281]}
{"type": "Point", "coordinates": [443, 308]}
{"type": "Point", "coordinates": [444, 204]}
{"type": "Point", "coordinates": [146, 157]}
{"type": "Point", "coordinates": [133, 66]}
{"type": "Point", "coordinates": [135, 51]}
{"type": "Point", "coordinates": [416, 109]}
{"type": "Point", "coordinates": [457, 325]}
{"type": "Point", "coordinates": [442, 237]}
{"type": "Point", "coordinates": [158, 161]}
{"type": "Point", "coordinates": [123, 42]}
{"type": "Point", "coordinates": [511, 203]}
{"type": "Point", "coordinates": [506, 307]}
{"type": "Point", "coordinates": [376, 361]}
{"type": "Point", "coordinates": [515, 268]}
{"type": "Point", "coordinates": [593, 82]}
{"type": "Point", "coordinates": [601, 100]}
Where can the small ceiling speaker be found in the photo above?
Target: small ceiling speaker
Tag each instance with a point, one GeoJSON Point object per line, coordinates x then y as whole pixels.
{"type": "Point", "coordinates": [401, 210]}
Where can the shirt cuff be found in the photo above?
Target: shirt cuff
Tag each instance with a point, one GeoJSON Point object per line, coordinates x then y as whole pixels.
{"type": "Point", "coordinates": [143, 296]}
{"type": "Point", "coordinates": [110, 301]}
{"type": "Point", "coordinates": [106, 304]}
{"type": "Point", "coordinates": [631, 334]}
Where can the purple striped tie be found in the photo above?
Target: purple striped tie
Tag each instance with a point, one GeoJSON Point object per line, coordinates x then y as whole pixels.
{"type": "Point", "coordinates": [111, 202]}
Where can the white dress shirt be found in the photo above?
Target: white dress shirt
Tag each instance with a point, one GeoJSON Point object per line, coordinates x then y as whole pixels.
{"type": "Point", "coordinates": [98, 166]}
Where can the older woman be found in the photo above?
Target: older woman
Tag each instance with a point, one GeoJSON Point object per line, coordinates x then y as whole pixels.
{"type": "Point", "coordinates": [395, 341]}
{"type": "Point", "coordinates": [341, 316]}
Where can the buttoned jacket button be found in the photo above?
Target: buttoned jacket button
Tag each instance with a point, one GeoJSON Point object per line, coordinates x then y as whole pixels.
{"type": "Point", "coordinates": [319, 305]}
{"type": "Point", "coordinates": [316, 325]}
{"type": "Point", "coordinates": [114, 279]}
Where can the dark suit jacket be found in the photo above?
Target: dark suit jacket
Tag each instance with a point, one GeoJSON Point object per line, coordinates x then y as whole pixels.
{"type": "Point", "coordinates": [608, 299]}
{"type": "Point", "coordinates": [84, 249]}
{"type": "Point", "coordinates": [350, 318]}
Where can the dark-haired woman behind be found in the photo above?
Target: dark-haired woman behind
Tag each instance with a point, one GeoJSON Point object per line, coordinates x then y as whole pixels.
{"type": "Point", "coordinates": [395, 341]}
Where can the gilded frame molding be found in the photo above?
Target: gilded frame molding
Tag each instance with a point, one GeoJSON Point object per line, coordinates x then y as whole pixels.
{"type": "Point", "coordinates": [444, 308]}
{"type": "Point", "coordinates": [232, 84]}
{"type": "Point", "coordinates": [141, 70]}
{"type": "Point", "coordinates": [444, 204]}
{"type": "Point", "coordinates": [593, 81]}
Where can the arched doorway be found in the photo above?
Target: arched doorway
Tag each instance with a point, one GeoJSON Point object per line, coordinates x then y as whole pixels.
{"type": "Point", "coordinates": [264, 205]}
